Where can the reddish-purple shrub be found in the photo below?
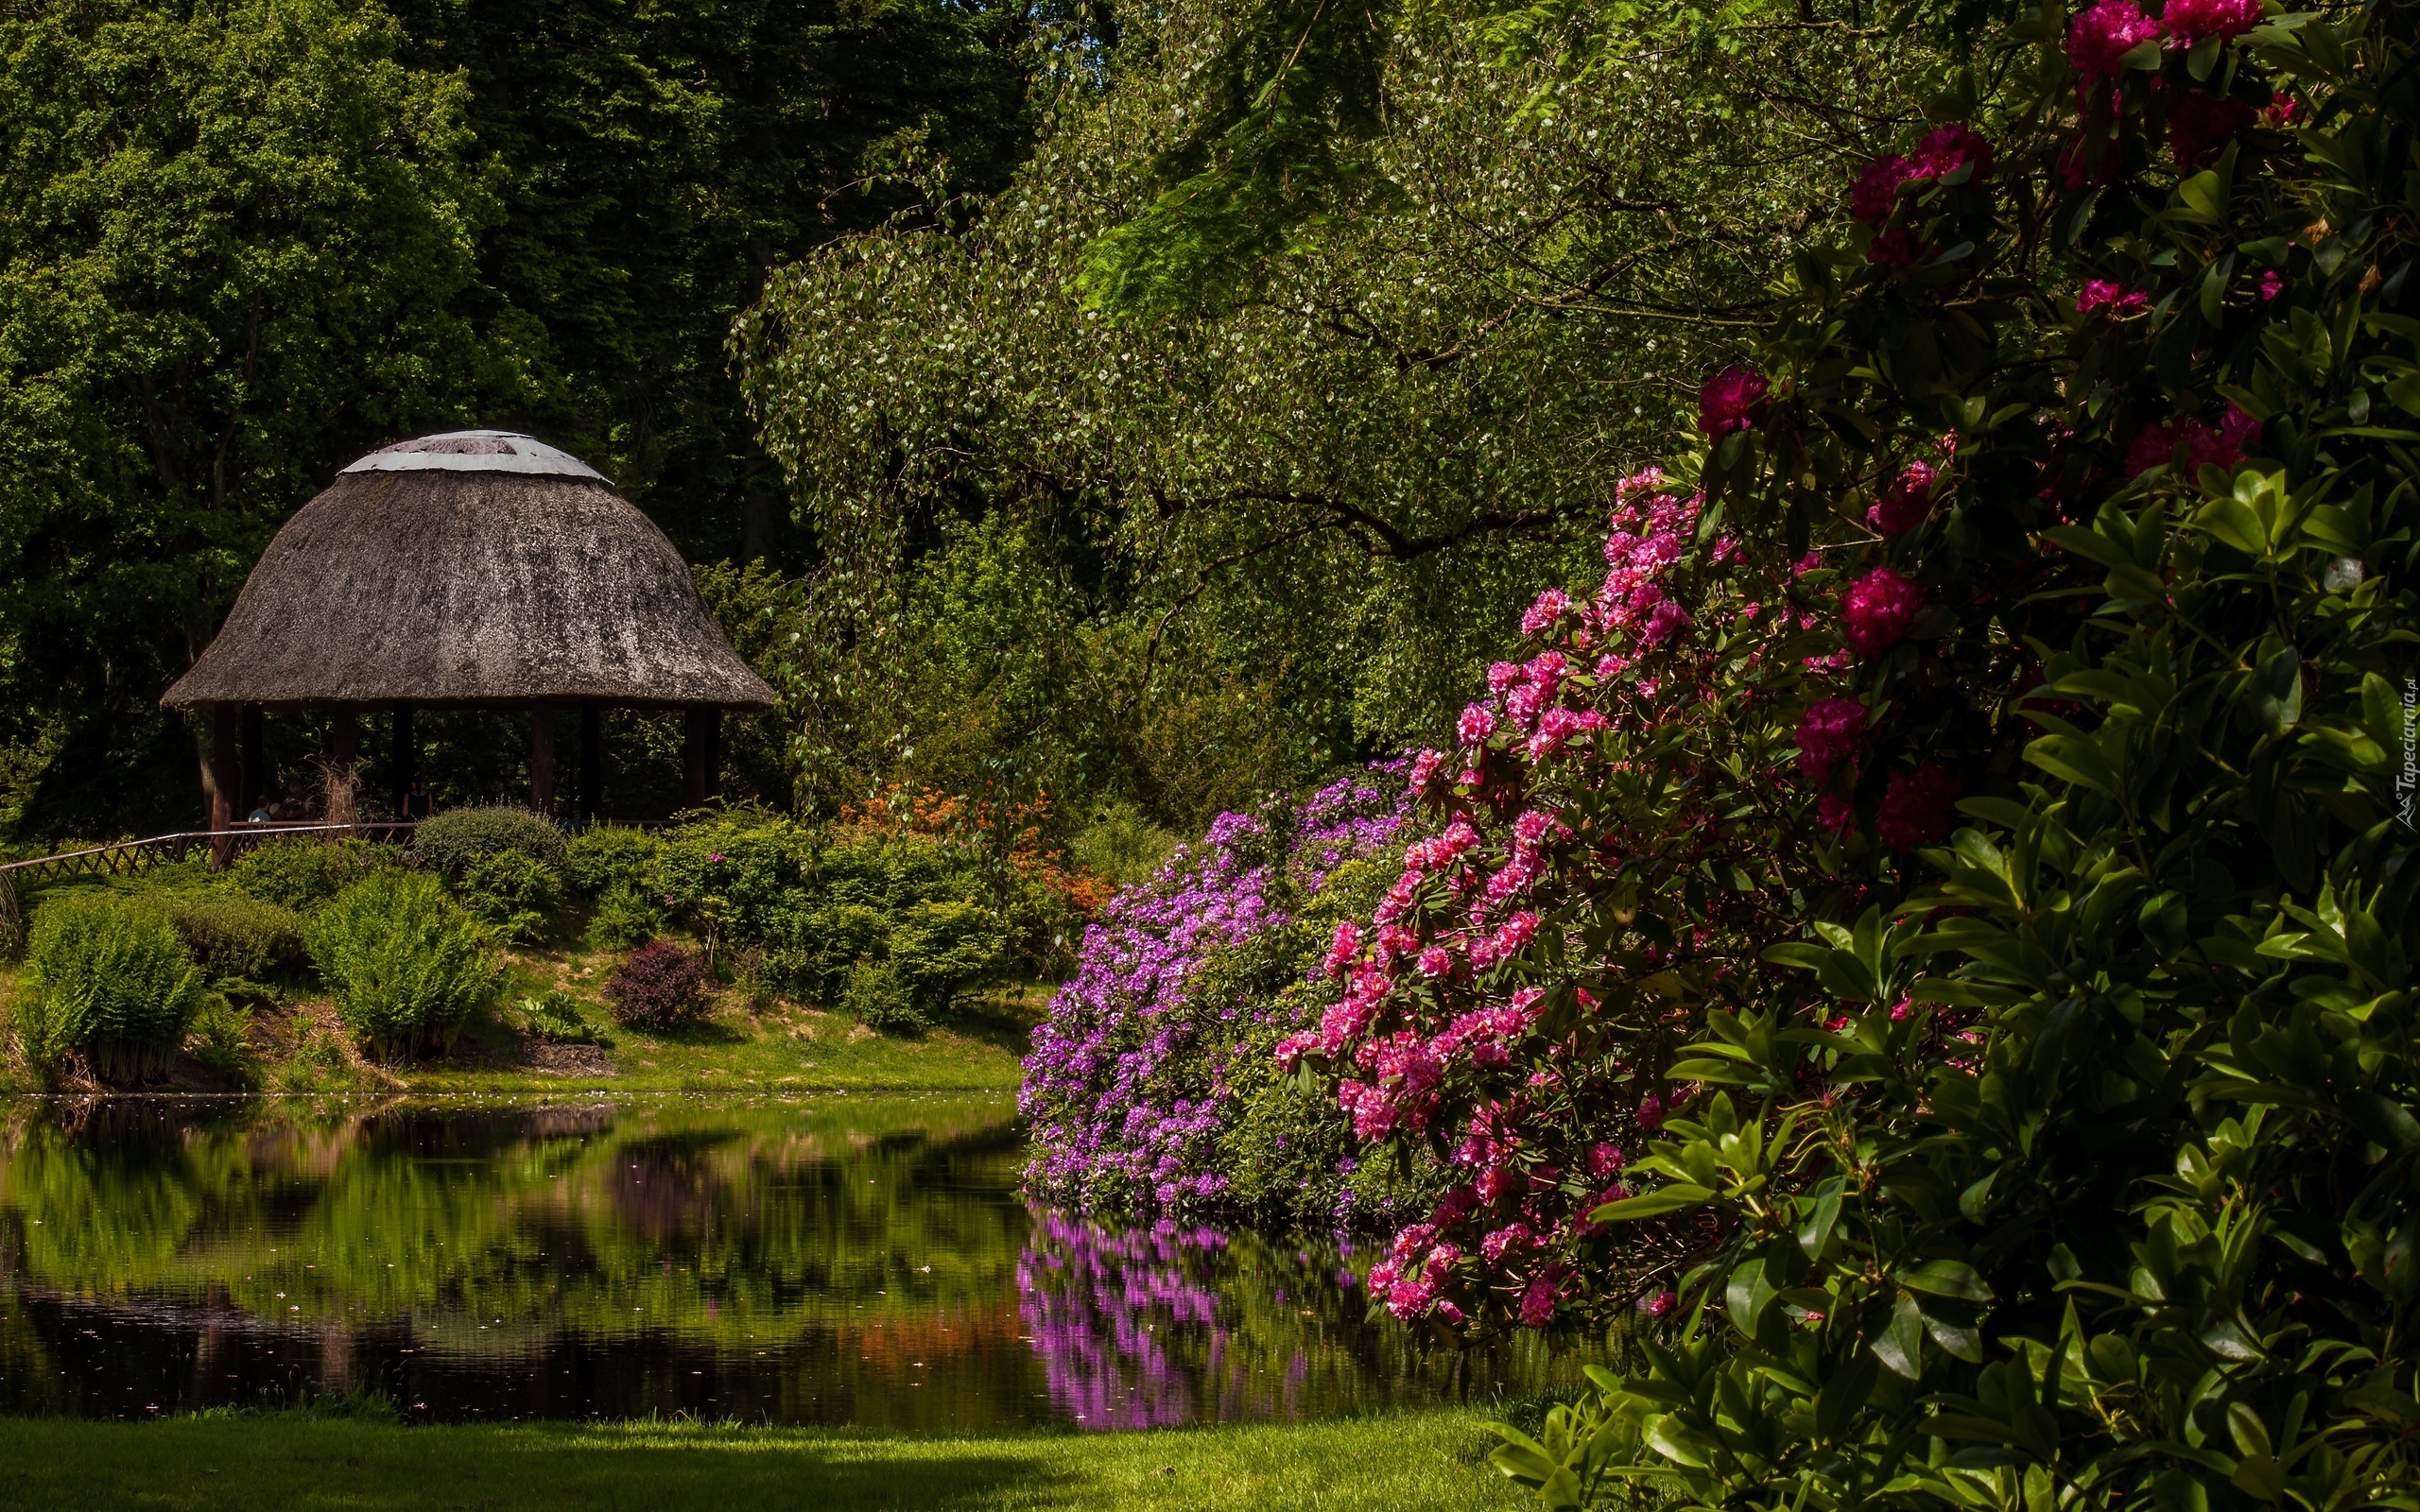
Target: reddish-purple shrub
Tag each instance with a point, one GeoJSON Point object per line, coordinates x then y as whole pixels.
{"type": "Point", "coordinates": [661, 987]}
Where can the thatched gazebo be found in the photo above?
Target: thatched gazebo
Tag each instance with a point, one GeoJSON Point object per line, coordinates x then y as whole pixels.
{"type": "Point", "coordinates": [476, 569]}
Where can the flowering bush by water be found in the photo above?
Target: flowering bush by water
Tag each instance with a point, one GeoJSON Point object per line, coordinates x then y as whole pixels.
{"type": "Point", "coordinates": [1152, 1086]}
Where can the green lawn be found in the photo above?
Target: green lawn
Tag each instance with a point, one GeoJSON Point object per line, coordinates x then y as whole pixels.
{"type": "Point", "coordinates": [786, 1047]}
{"type": "Point", "coordinates": [251, 1464]}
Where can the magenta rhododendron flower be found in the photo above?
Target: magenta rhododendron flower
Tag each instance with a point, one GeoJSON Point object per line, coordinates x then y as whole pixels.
{"type": "Point", "coordinates": [1905, 504]}
{"type": "Point", "coordinates": [1476, 723]}
{"type": "Point", "coordinates": [2108, 294]}
{"type": "Point", "coordinates": [1666, 620]}
{"type": "Point", "coordinates": [1342, 946]}
{"type": "Point", "coordinates": [1835, 813]}
{"type": "Point", "coordinates": [1950, 147]}
{"type": "Point", "coordinates": [2272, 285]}
{"type": "Point", "coordinates": [1944, 151]}
{"type": "Point", "coordinates": [2100, 38]}
{"type": "Point", "coordinates": [1916, 808]}
{"type": "Point", "coordinates": [1732, 399]}
{"type": "Point", "coordinates": [1538, 1301]}
{"type": "Point", "coordinates": [1878, 610]}
{"type": "Point", "coordinates": [1552, 606]}
{"type": "Point", "coordinates": [1828, 734]}
{"type": "Point", "coordinates": [1876, 189]}
{"type": "Point", "coordinates": [2155, 445]}
{"type": "Point", "coordinates": [1895, 247]}
{"type": "Point", "coordinates": [2189, 21]}
{"type": "Point", "coordinates": [1436, 961]}
{"type": "Point", "coordinates": [1513, 1238]}
{"type": "Point", "coordinates": [2197, 123]}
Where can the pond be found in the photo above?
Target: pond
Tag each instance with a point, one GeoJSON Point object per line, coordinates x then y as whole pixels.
{"type": "Point", "coordinates": [859, 1261]}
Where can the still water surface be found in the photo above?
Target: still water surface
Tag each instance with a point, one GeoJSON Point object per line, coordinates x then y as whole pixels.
{"type": "Point", "coordinates": [861, 1261]}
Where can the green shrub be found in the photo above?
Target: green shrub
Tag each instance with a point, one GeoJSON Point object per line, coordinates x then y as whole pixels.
{"type": "Point", "coordinates": [606, 858]}
{"type": "Point", "coordinates": [512, 892]}
{"type": "Point", "coordinates": [626, 917]}
{"type": "Point", "coordinates": [221, 1036]}
{"type": "Point", "coordinates": [111, 978]}
{"type": "Point", "coordinates": [231, 936]}
{"type": "Point", "coordinates": [826, 941]}
{"type": "Point", "coordinates": [454, 841]}
{"type": "Point", "coordinates": [406, 963]}
{"type": "Point", "coordinates": [745, 875]}
{"type": "Point", "coordinates": [302, 874]}
{"type": "Point", "coordinates": [878, 996]}
{"type": "Point", "coordinates": [752, 974]}
{"type": "Point", "coordinates": [941, 949]}
{"type": "Point", "coordinates": [44, 1028]}
{"type": "Point", "coordinates": [1121, 845]}
{"type": "Point", "coordinates": [556, 1018]}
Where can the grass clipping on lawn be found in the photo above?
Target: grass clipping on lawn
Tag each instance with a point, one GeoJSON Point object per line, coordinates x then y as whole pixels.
{"type": "Point", "coordinates": [1431, 1460]}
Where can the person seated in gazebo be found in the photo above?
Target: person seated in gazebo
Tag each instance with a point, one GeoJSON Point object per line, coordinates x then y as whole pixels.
{"type": "Point", "coordinates": [264, 812]}
{"type": "Point", "coordinates": [418, 804]}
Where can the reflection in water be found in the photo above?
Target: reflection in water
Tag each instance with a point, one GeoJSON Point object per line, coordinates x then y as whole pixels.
{"type": "Point", "coordinates": [817, 1261]}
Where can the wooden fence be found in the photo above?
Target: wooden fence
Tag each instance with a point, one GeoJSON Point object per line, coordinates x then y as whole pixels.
{"type": "Point", "coordinates": [128, 858]}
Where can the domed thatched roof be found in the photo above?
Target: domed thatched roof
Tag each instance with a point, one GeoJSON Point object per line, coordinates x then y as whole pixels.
{"type": "Point", "coordinates": [477, 567]}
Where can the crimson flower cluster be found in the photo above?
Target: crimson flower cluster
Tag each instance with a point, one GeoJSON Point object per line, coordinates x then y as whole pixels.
{"type": "Point", "coordinates": [1471, 1019]}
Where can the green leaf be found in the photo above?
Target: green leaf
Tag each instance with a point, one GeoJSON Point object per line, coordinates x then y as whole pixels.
{"type": "Point", "coordinates": [1677, 1197]}
{"type": "Point", "coordinates": [2076, 760]}
{"type": "Point", "coordinates": [1901, 1346]}
{"type": "Point", "coordinates": [1946, 1277]}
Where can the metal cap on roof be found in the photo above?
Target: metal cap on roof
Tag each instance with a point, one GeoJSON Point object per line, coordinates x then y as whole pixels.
{"type": "Point", "coordinates": [477, 452]}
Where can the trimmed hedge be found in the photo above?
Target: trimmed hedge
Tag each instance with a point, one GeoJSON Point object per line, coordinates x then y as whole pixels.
{"type": "Point", "coordinates": [453, 842]}
{"type": "Point", "coordinates": [233, 936]}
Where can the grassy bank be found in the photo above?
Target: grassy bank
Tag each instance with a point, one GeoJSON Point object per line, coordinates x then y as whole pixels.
{"type": "Point", "coordinates": [295, 1045]}
{"type": "Point", "coordinates": [1425, 1461]}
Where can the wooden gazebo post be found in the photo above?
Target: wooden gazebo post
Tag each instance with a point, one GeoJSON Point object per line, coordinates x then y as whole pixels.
{"type": "Point", "coordinates": [407, 745]}
{"type": "Point", "coordinates": [542, 759]}
{"type": "Point", "coordinates": [224, 741]}
{"type": "Point", "coordinates": [592, 761]}
{"type": "Point", "coordinates": [701, 754]}
{"type": "Point", "coordinates": [252, 780]}
{"type": "Point", "coordinates": [344, 757]}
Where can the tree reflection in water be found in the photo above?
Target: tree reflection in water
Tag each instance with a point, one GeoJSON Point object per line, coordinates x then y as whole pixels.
{"type": "Point", "coordinates": [836, 1261]}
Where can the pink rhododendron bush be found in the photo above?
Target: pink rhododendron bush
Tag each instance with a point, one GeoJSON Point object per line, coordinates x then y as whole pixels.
{"type": "Point", "coordinates": [1925, 937]}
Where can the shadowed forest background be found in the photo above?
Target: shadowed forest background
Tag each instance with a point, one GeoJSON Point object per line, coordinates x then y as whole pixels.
{"type": "Point", "coordinates": [833, 293]}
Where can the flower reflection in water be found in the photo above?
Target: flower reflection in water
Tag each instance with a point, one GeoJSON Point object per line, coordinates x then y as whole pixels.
{"type": "Point", "coordinates": [1153, 1327]}
{"type": "Point", "coordinates": [1105, 1309]}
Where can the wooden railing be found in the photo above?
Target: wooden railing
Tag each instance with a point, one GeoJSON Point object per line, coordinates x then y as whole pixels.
{"type": "Point", "coordinates": [128, 858]}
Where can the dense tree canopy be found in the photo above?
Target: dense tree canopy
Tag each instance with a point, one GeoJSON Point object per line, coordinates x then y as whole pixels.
{"type": "Point", "coordinates": [655, 164]}
{"type": "Point", "coordinates": [1283, 528]}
